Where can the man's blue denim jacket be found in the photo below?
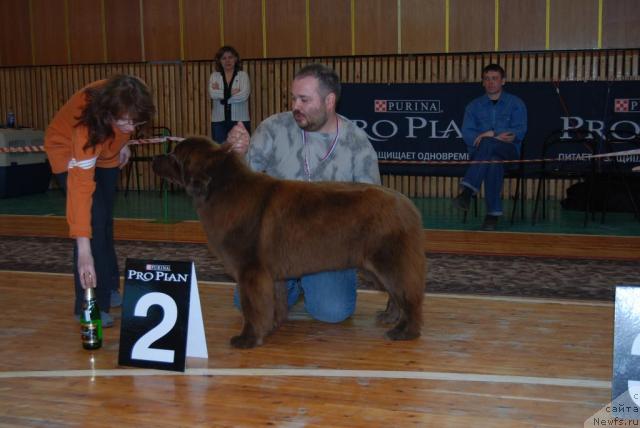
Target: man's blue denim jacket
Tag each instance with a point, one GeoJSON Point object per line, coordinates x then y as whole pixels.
{"type": "Point", "coordinates": [509, 114]}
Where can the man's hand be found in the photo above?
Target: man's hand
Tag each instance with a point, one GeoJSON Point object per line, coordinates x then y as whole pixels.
{"type": "Point", "coordinates": [125, 155]}
{"type": "Point", "coordinates": [215, 86]}
{"type": "Point", "coordinates": [489, 133]}
{"type": "Point", "coordinates": [235, 91]}
{"type": "Point", "coordinates": [239, 138]}
{"type": "Point", "coordinates": [506, 137]}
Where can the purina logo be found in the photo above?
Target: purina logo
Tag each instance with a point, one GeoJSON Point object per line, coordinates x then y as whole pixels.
{"type": "Point", "coordinates": [627, 105]}
{"type": "Point", "coordinates": [407, 106]}
{"type": "Point", "coordinates": [163, 268]}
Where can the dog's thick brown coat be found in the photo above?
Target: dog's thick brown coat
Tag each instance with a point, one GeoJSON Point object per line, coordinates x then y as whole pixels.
{"type": "Point", "coordinates": [266, 230]}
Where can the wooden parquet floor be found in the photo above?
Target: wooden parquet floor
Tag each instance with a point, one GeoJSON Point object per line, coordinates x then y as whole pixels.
{"type": "Point", "coordinates": [481, 362]}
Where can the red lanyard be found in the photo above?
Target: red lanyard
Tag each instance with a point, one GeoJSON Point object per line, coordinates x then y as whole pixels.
{"type": "Point", "coordinates": [307, 169]}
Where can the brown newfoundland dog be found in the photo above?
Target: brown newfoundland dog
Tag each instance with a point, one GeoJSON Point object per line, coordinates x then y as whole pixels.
{"type": "Point", "coordinates": [266, 230]}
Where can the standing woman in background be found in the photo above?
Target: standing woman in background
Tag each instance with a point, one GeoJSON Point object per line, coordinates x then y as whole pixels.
{"type": "Point", "coordinates": [229, 89]}
{"type": "Point", "coordinates": [86, 146]}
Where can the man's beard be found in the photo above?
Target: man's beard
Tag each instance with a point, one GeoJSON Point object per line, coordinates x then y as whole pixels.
{"type": "Point", "coordinates": [307, 124]}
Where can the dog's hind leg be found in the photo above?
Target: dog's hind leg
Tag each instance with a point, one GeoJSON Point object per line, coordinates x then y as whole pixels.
{"type": "Point", "coordinates": [257, 302]}
{"type": "Point", "coordinates": [391, 314]}
{"type": "Point", "coordinates": [280, 307]}
{"type": "Point", "coordinates": [402, 274]}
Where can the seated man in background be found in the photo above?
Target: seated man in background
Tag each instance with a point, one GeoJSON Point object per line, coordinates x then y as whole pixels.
{"type": "Point", "coordinates": [493, 129]}
{"type": "Point", "coordinates": [313, 143]}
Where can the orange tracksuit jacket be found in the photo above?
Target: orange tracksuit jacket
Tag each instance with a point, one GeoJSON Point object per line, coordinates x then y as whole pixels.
{"type": "Point", "coordinates": [64, 144]}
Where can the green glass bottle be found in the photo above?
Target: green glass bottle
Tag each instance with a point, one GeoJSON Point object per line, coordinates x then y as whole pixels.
{"type": "Point", "coordinates": [90, 321]}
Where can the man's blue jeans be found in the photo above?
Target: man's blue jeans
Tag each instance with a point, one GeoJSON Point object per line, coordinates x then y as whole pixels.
{"type": "Point", "coordinates": [328, 296]}
{"type": "Point", "coordinates": [491, 173]}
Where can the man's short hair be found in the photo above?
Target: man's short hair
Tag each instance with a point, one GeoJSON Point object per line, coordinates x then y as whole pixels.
{"type": "Point", "coordinates": [328, 80]}
{"type": "Point", "coordinates": [493, 67]}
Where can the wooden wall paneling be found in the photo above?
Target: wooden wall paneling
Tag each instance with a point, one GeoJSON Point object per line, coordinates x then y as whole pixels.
{"type": "Point", "coordinates": [615, 66]}
{"type": "Point", "coordinates": [201, 29]}
{"type": "Point", "coordinates": [196, 91]}
{"type": "Point", "coordinates": [632, 62]}
{"type": "Point", "coordinates": [418, 68]}
{"type": "Point", "coordinates": [447, 68]}
{"type": "Point", "coordinates": [422, 26]}
{"type": "Point", "coordinates": [15, 33]}
{"type": "Point", "coordinates": [521, 25]}
{"type": "Point", "coordinates": [620, 24]}
{"type": "Point", "coordinates": [546, 65]}
{"type": "Point", "coordinates": [471, 25]}
{"type": "Point", "coordinates": [24, 100]}
{"type": "Point", "coordinates": [243, 27]}
{"type": "Point", "coordinates": [602, 66]}
{"type": "Point", "coordinates": [11, 92]}
{"type": "Point", "coordinates": [515, 65]}
{"type": "Point", "coordinates": [590, 66]}
{"type": "Point", "coordinates": [409, 70]}
{"type": "Point", "coordinates": [263, 84]}
{"type": "Point", "coordinates": [424, 68]}
{"type": "Point", "coordinates": [249, 67]}
{"type": "Point", "coordinates": [573, 24]}
{"type": "Point", "coordinates": [458, 62]}
{"type": "Point", "coordinates": [279, 69]}
{"type": "Point", "coordinates": [161, 29]}
{"type": "Point", "coordinates": [377, 76]}
{"type": "Point", "coordinates": [85, 31]}
{"type": "Point", "coordinates": [257, 92]}
{"type": "Point", "coordinates": [50, 39]}
{"type": "Point", "coordinates": [572, 66]}
{"type": "Point", "coordinates": [33, 115]}
{"type": "Point", "coordinates": [5, 101]}
{"type": "Point", "coordinates": [123, 28]}
{"type": "Point", "coordinates": [274, 106]}
{"type": "Point", "coordinates": [330, 27]}
{"type": "Point", "coordinates": [376, 27]}
{"type": "Point", "coordinates": [205, 70]}
{"type": "Point", "coordinates": [286, 28]}
{"type": "Point", "coordinates": [372, 69]}
{"type": "Point", "coordinates": [564, 65]}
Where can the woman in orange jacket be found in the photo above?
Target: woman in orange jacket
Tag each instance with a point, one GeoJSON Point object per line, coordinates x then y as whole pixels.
{"type": "Point", "coordinates": [86, 146]}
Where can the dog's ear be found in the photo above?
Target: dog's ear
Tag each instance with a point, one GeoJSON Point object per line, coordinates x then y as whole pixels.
{"type": "Point", "coordinates": [198, 185]}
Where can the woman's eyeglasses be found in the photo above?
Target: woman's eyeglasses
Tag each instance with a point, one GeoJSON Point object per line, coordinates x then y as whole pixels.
{"type": "Point", "coordinates": [128, 122]}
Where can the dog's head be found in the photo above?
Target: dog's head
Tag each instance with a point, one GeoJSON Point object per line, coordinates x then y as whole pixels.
{"type": "Point", "coordinates": [191, 164]}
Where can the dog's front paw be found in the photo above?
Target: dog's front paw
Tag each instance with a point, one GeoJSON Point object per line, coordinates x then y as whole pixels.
{"type": "Point", "coordinates": [245, 341]}
{"type": "Point", "coordinates": [403, 332]}
{"type": "Point", "coordinates": [387, 317]}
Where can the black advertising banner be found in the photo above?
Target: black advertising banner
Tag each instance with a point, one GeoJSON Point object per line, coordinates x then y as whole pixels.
{"type": "Point", "coordinates": [423, 122]}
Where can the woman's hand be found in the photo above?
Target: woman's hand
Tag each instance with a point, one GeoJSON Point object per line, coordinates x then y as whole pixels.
{"type": "Point", "coordinates": [86, 267]}
{"type": "Point", "coordinates": [125, 155]}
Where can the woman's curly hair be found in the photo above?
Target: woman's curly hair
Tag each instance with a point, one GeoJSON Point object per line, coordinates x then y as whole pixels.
{"type": "Point", "coordinates": [121, 95]}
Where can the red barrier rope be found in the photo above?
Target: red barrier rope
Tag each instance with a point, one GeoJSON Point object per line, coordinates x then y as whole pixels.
{"type": "Point", "coordinates": [37, 149]}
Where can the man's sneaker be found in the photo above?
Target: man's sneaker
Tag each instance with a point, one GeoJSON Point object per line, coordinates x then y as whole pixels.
{"type": "Point", "coordinates": [463, 200]}
{"type": "Point", "coordinates": [107, 320]}
{"type": "Point", "coordinates": [490, 222]}
{"type": "Point", "coordinates": [116, 298]}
